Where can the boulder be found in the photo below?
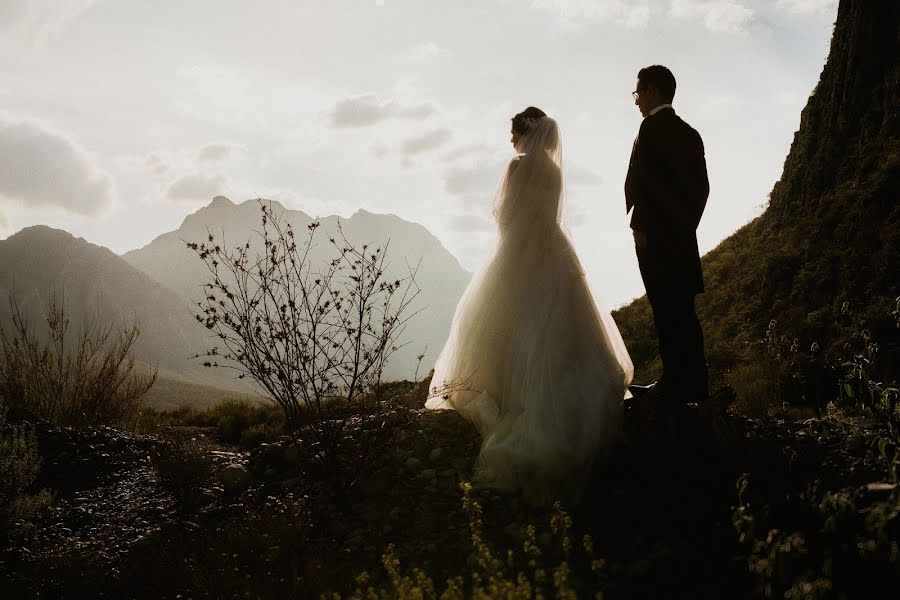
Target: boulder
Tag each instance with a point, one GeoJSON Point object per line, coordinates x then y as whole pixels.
{"type": "Point", "coordinates": [234, 478]}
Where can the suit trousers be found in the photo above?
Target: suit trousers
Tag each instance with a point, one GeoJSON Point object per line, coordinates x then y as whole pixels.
{"type": "Point", "coordinates": [685, 375]}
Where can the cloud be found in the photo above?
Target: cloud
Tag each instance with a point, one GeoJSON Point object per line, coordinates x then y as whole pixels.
{"type": "Point", "coordinates": [44, 167]}
{"type": "Point", "coordinates": [367, 110]}
{"type": "Point", "coordinates": [472, 255]}
{"type": "Point", "coordinates": [467, 151]}
{"type": "Point", "coordinates": [222, 95]}
{"type": "Point", "coordinates": [215, 152]}
{"type": "Point", "coordinates": [807, 7]}
{"type": "Point", "coordinates": [427, 141]}
{"type": "Point", "coordinates": [196, 186]}
{"type": "Point", "coordinates": [427, 51]}
{"type": "Point", "coordinates": [3, 222]}
{"type": "Point", "coordinates": [481, 179]}
{"type": "Point", "coordinates": [156, 164]}
{"type": "Point", "coordinates": [723, 16]}
{"type": "Point", "coordinates": [636, 17]}
{"type": "Point", "coordinates": [34, 22]}
{"type": "Point", "coordinates": [379, 150]}
{"type": "Point", "coordinates": [579, 175]}
{"type": "Point", "coordinates": [632, 14]}
{"type": "Point", "coordinates": [466, 223]}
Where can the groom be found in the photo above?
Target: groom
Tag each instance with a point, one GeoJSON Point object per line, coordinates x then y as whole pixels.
{"type": "Point", "coordinates": [666, 190]}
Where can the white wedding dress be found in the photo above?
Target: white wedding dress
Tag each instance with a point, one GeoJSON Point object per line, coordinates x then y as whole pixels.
{"type": "Point", "coordinates": [530, 359]}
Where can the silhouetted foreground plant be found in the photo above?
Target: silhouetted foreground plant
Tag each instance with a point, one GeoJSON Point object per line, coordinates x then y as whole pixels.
{"type": "Point", "coordinates": [19, 467]}
{"type": "Point", "coordinates": [89, 380]}
{"type": "Point", "coordinates": [184, 467]}
{"type": "Point", "coordinates": [859, 371]}
{"type": "Point", "coordinates": [238, 422]}
{"type": "Point", "coordinates": [315, 337]}
{"type": "Point", "coordinates": [308, 334]}
{"type": "Point", "coordinates": [829, 542]}
{"type": "Point", "coordinates": [495, 576]}
{"type": "Point", "coordinates": [252, 550]}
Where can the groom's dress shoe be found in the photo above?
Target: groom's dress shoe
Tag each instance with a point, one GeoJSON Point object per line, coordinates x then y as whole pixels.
{"type": "Point", "coordinates": [635, 404]}
{"type": "Point", "coordinates": [639, 391]}
{"type": "Point", "coordinates": [718, 402]}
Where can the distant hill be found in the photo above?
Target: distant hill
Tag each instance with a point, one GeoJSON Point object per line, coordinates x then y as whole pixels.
{"type": "Point", "coordinates": [440, 276]}
{"type": "Point", "coordinates": [153, 287]}
{"type": "Point", "coordinates": [172, 391]}
{"type": "Point", "coordinates": [831, 231]}
{"type": "Point", "coordinates": [38, 261]}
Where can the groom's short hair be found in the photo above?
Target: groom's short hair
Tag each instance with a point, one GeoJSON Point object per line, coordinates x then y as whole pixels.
{"type": "Point", "coordinates": [659, 77]}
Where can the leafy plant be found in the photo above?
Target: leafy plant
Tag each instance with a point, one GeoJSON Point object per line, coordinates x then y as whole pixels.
{"type": "Point", "coordinates": [493, 575]}
{"type": "Point", "coordinates": [19, 468]}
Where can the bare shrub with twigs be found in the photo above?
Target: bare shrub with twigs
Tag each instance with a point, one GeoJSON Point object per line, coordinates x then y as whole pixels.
{"type": "Point", "coordinates": [314, 334]}
{"type": "Point", "coordinates": [90, 379]}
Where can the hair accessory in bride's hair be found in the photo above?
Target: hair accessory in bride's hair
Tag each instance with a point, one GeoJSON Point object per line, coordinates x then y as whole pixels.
{"type": "Point", "coordinates": [525, 120]}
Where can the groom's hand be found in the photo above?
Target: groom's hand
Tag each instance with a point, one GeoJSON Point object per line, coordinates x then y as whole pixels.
{"type": "Point", "coordinates": [640, 239]}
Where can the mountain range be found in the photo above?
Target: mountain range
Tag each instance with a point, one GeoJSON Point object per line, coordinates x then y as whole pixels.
{"type": "Point", "coordinates": [157, 284]}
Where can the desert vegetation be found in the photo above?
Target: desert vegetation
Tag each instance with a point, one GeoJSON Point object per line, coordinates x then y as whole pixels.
{"type": "Point", "coordinates": [88, 380]}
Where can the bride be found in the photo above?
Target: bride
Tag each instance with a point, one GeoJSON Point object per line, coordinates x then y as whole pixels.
{"type": "Point", "coordinates": [531, 360]}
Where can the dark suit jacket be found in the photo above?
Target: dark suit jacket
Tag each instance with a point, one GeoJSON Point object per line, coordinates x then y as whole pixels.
{"type": "Point", "coordinates": [667, 187]}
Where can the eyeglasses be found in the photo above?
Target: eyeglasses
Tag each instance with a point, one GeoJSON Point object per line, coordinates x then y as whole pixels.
{"type": "Point", "coordinates": [637, 92]}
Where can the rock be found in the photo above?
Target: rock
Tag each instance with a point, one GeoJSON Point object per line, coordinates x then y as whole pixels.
{"type": "Point", "coordinates": [17, 414]}
{"type": "Point", "coordinates": [291, 484]}
{"type": "Point", "coordinates": [234, 479]}
{"type": "Point", "coordinates": [205, 499]}
{"type": "Point", "coordinates": [395, 513]}
{"type": "Point", "coordinates": [577, 582]}
{"type": "Point", "coordinates": [880, 489]}
{"type": "Point", "coordinates": [435, 454]}
{"type": "Point", "coordinates": [461, 464]}
{"type": "Point", "coordinates": [292, 455]}
{"type": "Point", "coordinates": [514, 531]}
{"type": "Point", "coordinates": [413, 464]}
{"type": "Point", "coordinates": [144, 544]}
{"type": "Point", "coordinates": [638, 569]}
{"type": "Point", "coordinates": [377, 484]}
{"type": "Point", "coordinates": [428, 474]}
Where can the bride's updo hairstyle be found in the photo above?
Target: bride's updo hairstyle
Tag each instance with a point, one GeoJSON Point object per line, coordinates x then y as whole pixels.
{"type": "Point", "coordinates": [523, 121]}
{"type": "Point", "coordinates": [532, 121]}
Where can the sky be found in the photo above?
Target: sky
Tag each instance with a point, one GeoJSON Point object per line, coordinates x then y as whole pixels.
{"type": "Point", "coordinates": [120, 117]}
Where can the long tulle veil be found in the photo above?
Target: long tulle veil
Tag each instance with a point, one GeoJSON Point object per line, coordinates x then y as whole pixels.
{"type": "Point", "coordinates": [533, 187]}
{"type": "Point", "coordinates": [535, 174]}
